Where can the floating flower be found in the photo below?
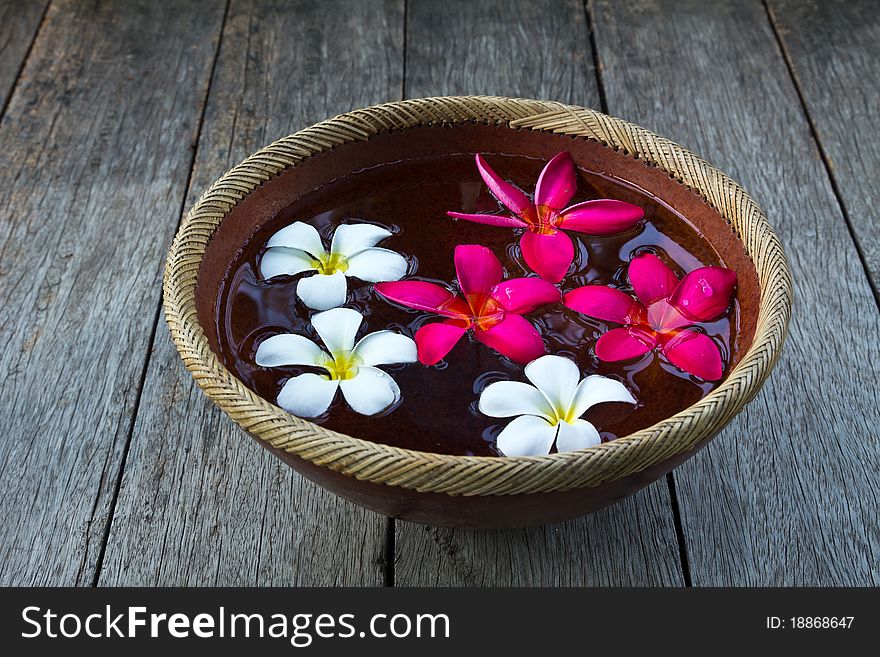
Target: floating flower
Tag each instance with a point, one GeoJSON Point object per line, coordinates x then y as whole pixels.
{"type": "Point", "coordinates": [349, 366]}
{"type": "Point", "coordinates": [546, 249]}
{"type": "Point", "coordinates": [353, 252]}
{"type": "Point", "coordinates": [488, 305]}
{"type": "Point", "coordinates": [549, 411]}
{"type": "Point", "coordinates": [667, 309]}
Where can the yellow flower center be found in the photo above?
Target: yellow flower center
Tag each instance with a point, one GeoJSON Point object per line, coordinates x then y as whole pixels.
{"type": "Point", "coordinates": [560, 414]}
{"type": "Point", "coordinates": [486, 312]}
{"type": "Point", "coordinates": [548, 219]}
{"type": "Point", "coordinates": [561, 411]}
{"type": "Point", "coordinates": [343, 366]}
{"type": "Point", "coordinates": [330, 263]}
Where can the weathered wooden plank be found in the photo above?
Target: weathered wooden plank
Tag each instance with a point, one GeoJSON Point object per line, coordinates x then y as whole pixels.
{"type": "Point", "coordinates": [93, 167]}
{"type": "Point", "coordinates": [500, 48]}
{"type": "Point", "coordinates": [834, 49]}
{"type": "Point", "coordinates": [788, 494]}
{"type": "Point", "coordinates": [539, 50]}
{"type": "Point", "coordinates": [200, 502]}
{"type": "Point", "coordinates": [630, 544]}
{"type": "Point", "coordinates": [19, 22]}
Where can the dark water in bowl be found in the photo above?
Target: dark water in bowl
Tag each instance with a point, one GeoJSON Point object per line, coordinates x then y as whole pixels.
{"type": "Point", "coordinates": [437, 412]}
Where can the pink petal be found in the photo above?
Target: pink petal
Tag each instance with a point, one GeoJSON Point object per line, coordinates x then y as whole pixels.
{"type": "Point", "coordinates": [477, 268]}
{"type": "Point", "coordinates": [601, 217]}
{"type": "Point", "coordinates": [514, 337]}
{"type": "Point", "coordinates": [434, 341]}
{"type": "Point", "coordinates": [705, 293]}
{"type": "Point", "coordinates": [695, 353]}
{"type": "Point", "coordinates": [490, 219]}
{"type": "Point", "coordinates": [423, 296]}
{"type": "Point", "coordinates": [523, 295]}
{"type": "Point", "coordinates": [651, 279]}
{"type": "Point", "coordinates": [624, 344]}
{"type": "Point", "coordinates": [605, 303]}
{"type": "Point", "coordinates": [549, 256]}
{"type": "Point", "coordinates": [511, 197]}
{"type": "Point", "coordinates": [556, 184]}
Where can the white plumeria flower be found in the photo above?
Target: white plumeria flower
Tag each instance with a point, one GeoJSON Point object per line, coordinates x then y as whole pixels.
{"type": "Point", "coordinates": [353, 252]}
{"type": "Point", "coordinates": [550, 410]}
{"type": "Point", "coordinates": [351, 367]}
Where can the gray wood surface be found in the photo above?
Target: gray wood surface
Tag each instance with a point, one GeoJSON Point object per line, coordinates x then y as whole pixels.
{"type": "Point", "coordinates": [201, 503]}
{"type": "Point", "coordinates": [19, 20]}
{"type": "Point", "coordinates": [535, 50]}
{"type": "Point", "coordinates": [119, 114]}
{"type": "Point", "coordinates": [833, 47]}
{"type": "Point", "coordinates": [787, 495]}
{"type": "Point", "coordinates": [92, 172]}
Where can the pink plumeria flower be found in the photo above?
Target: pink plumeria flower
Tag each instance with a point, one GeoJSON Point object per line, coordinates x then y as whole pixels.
{"type": "Point", "coordinates": [346, 365]}
{"type": "Point", "coordinates": [546, 249]}
{"type": "Point", "coordinates": [298, 248]}
{"type": "Point", "coordinates": [549, 411]}
{"type": "Point", "coordinates": [667, 309]}
{"type": "Point", "coordinates": [489, 306]}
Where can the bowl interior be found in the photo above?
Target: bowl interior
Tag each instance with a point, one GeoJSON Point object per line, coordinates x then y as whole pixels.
{"type": "Point", "coordinates": [270, 205]}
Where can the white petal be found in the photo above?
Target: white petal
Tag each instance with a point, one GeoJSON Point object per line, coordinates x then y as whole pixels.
{"type": "Point", "coordinates": [370, 391]}
{"type": "Point", "coordinates": [307, 395]}
{"type": "Point", "coordinates": [527, 436]}
{"type": "Point", "coordinates": [376, 265]}
{"type": "Point", "coordinates": [385, 348]}
{"type": "Point", "coordinates": [350, 239]}
{"type": "Point", "coordinates": [289, 349]}
{"type": "Point", "coordinates": [556, 377]}
{"type": "Point", "coordinates": [283, 260]}
{"type": "Point", "coordinates": [321, 291]}
{"type": "Point", "coordinates": [300, 236]}
{"type": "Point", "coordinates": [580, 434]}
{"type": "Point", "coordinates": [337, 328]}
{"type": "Point", "coordinates": [595, 390]}
{"type": "Point", "coordinates": [509, 398]}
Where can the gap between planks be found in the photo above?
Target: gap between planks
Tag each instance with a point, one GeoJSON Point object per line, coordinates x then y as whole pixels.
{"type": "Point", "coordinates": [157, 315]}
{"type": "Point", "coordinates": [24, 60]}
{"type": "Point", "coordinates": [823, 153]}
{"type": "Point", "coordinates": [670, 477]}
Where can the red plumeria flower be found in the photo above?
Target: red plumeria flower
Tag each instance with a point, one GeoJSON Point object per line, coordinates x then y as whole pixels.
{"type": "Point", "coordinates": [490, 306]}
{"type": "Point", "coordinates": [546, 249]}
{"type": "Point", "coordinates": [668, 307]}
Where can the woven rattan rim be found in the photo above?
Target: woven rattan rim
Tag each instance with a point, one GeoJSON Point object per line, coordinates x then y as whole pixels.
{"type": "Point", "coordinates": [474, 475]}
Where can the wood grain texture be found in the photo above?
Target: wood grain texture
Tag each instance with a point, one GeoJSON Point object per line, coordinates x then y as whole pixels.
{"type": "Point", "coordinates": [19, 22]}
{"type": "Point", "coordinates": [788, 493]}
{"type": "Point", "coordinates": [834, 49]}
{"type": "Point", "coordinates": [201, 503]}
{"type": "Point", "coordinates": [518, 48]}
{"type": "Point", "coordinates": [534, 50]}
{"type": "Point", "coordinates": [94, 166]}
{"type": "Point", "coordinates": [632, 543]}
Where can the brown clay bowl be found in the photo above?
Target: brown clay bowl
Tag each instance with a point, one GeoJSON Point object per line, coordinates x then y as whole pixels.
{"type": "Point", "coordinates": [476, 491]}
